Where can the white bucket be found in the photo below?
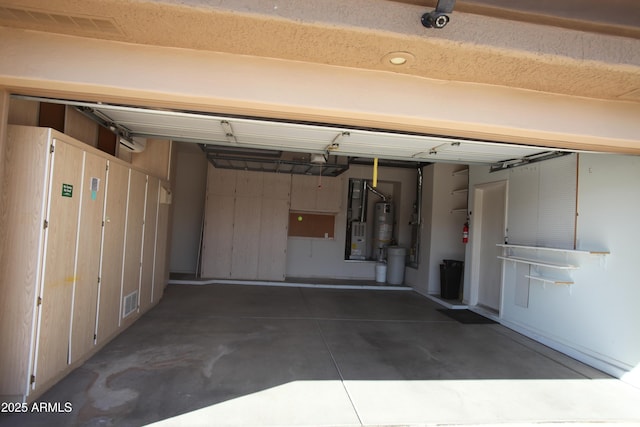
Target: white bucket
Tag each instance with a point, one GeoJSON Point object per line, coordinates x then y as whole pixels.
{"type": "Point", "coordinates": [381, 272]}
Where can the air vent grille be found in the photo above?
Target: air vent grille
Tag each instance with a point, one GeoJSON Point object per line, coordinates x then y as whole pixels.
{"type": "Point", "coordinates": [40, 19]}
{"type": "Point", "coordinates": [130, 304]}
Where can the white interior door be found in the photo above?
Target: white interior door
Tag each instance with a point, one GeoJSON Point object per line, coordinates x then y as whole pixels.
{"type": "Point", "coordinates": [491, 200]}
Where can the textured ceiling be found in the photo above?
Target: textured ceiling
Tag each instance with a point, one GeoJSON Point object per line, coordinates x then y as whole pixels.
{"type": "Point", "coordinates": [489, 42]}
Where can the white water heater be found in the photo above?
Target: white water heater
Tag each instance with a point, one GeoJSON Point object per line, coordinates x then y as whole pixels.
{"type": "Point", "coordinates": [382, 229]}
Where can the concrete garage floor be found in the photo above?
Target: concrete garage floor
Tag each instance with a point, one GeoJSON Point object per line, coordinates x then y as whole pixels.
{"type": "Point", "coordinates": [250, 355]}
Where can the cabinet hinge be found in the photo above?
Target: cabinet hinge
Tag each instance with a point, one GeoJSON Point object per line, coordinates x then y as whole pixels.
{"type": "Point", "coordinates": [103, 223]}
{"type": "Point", "coordinates": [95, 336]}
{"type": "Point", "coordinates": [45, 225]}
{"type": "Point", "coordinates": [52, 148]}
{"type": "Point", "coordinates": [39, 300]}
{"type": "Point", "coordinates": [98, 279]}
{"type": "Point", "coordinates": [33, 379]}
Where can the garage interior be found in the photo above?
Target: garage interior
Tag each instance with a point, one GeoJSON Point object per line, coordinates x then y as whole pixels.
{"type": "Point", "coordinates": [271, 253]}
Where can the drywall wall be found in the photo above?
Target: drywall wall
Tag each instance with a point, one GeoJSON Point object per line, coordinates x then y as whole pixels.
{"type": "Point", "coordinates": [324, 258]}
{"type": "Point", "coordinates": [595, 319]}
{"type": "Point", "coordinates": [441, 236]}
{"type": "Point", "coordinates": [188, 200]}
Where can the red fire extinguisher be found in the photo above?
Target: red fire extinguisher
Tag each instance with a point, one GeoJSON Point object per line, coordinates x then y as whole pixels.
{"type": "Point", "coordinates": [465, 232]}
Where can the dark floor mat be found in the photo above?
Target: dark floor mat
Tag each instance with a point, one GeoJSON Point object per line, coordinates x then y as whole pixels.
{"type": "Point", "coordinates": [466, 316]}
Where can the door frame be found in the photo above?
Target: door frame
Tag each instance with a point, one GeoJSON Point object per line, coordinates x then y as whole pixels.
{"type": "Point", "coordinates": [476, 239]}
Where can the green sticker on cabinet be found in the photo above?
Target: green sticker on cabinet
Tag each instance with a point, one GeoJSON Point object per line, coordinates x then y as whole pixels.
{"type": "Point", "coordinates": [67, 190]}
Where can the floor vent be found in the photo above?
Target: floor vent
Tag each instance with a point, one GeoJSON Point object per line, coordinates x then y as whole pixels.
{"type": "Point", "coordinates": [130, 304]}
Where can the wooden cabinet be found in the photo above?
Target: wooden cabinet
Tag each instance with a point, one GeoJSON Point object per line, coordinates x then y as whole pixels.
{"type": "Point", "coordinates": [112, 251]}
{"type": "Point", "coordinates": [312, 194]}
{"type": "Point", "coordinates": [88, 258]}
{"type": "Point", "coordinates": [71, 219]}
{"type": "Point", "coordinates": [246, 217]}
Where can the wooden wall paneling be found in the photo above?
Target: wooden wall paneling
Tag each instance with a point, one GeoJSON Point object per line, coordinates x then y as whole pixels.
{"type": "Point", "coordinates": [23, 112]}
{"type": "Point", "coordinates": [155, 158]}
{"type": "Point", "coordinates": [116, 190]}
{"type": "Point", "coordinates": [272, 256]}
{"type": "Point", "coordinates": [22, 213]}
{"type": "Point", "coordinates": [218, 236]}
{"type": "Point", "coordinates": [59, 264]}
{"type": "Point", "coordinates": [80, 127]}
{"type": "Point", "coordinates": [149, 246]}
{"type": "Point", "coordinates": [161, 264]}
{"type": "Point", "coordinates": [132, 264]}
{"type": "Point", "coordinates": [85, 298]}
{"type": "Point", "coordinates": [221, 182]}
{"type": "Point", "coordinates": [246, 233]}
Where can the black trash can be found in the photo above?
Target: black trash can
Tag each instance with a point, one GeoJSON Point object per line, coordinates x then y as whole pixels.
{"type": "Point", "coordinates": [450, 278]}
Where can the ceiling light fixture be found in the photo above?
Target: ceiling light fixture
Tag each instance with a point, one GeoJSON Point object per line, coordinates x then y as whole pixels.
{"type": "Point", "coordinates": [398, 59]}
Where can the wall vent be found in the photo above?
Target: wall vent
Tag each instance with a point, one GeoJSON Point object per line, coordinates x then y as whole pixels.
{"type": "Point", "coordinates": [130, 304]}
{"type": "Point", "coordinates": [52, 21]}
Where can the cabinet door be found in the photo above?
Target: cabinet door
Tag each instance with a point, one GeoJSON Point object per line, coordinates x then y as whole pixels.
{"type": "Point", "coordinates": [249, 184]}
{"type": "Point", "coordinates": [22, 213]}
{"type": "Point", "coordinates": [276, 186]}
{"type": "Point", "coordinates": [149, 247]}
{"type": "Point", "coordinates": [132, 264]}
{"type": "Point", "coordinates": [221, 182]}
{"type": "Point", "coordinates": [329, 196]}
{"type": "Point", "coordinates": [85, 298]}
{"type": "Point", "coordinates": [303, 192]}
{"type": "Point", "coordinates": [59, 264]}
{"type": "Point", "coordinates": [112, 250]}
{"type": "Point", "coordinates": [246, 234]}
{"type": "Point", "coordinates": [272, 256]}
{"type": "Point", "coordinates": [160, 273]}
{"type": "Point", "coordinates": [218, 237]}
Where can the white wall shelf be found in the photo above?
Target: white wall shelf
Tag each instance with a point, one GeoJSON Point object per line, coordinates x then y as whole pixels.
{"type": "Point", "coordinates": [459, 211]}
{"type": "Point", "coordinates": [555, 259]}
{"type": "Point", "coordinates": [539, 263]}
{"type": "Point", "coordinates": [542, 248]}
{"type": "Point", "coordinates": [460, 191]}
{"type": "Point", "coordinates": [460, 172]}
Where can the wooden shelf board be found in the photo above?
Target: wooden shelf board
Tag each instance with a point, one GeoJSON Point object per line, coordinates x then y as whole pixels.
{"type": "Point", "coordinates": [549, 280]}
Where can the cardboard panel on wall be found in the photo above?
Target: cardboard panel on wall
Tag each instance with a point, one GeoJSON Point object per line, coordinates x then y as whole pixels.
{"type": "Point", "coordinates": [302, 224]}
